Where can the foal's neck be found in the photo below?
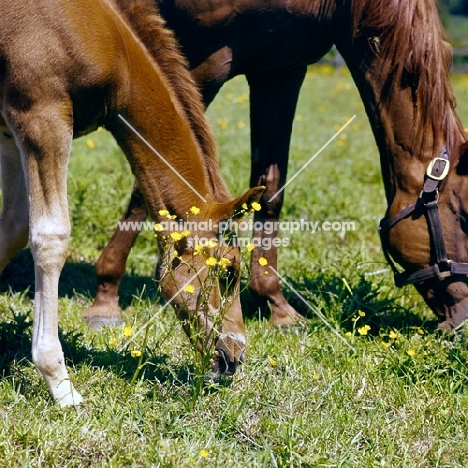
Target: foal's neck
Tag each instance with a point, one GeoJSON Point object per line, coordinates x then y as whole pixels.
{"type": "Point", "coordinates": [174, 174]}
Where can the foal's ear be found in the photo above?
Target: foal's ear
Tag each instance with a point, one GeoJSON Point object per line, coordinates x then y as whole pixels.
{"type": "Point", "coordinates": [234, 208]}
{"type": "Point", "coordinates": [462, 166]}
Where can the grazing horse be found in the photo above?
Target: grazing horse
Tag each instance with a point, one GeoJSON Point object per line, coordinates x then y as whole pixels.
{"type": "Point", "coordinates": [67, 67]}
{"type": "Point", "coordinates": [399, 59]}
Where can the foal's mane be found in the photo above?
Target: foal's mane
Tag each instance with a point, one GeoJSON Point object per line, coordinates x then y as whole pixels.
{"type": "Point", "coordinates": [145, 20]}
{"type": "Point", "coordinates": [413, 44]}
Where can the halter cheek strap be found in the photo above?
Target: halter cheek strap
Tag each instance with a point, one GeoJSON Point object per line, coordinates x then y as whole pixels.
{"type": "Point", "coordinates": [426, 204]}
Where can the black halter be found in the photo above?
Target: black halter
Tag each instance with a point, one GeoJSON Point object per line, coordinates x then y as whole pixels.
{"type": "Point", "coordinates": [427, 204]}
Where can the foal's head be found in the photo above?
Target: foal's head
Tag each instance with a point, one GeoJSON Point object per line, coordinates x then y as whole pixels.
{"type": "Point", "coordinates": [199, 272]}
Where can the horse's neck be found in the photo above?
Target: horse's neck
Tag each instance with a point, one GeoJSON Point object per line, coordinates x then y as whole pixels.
{"type": "Point", "coordinates": [404, 154]}
{"type": "Point", "coordinates": [175, 176]}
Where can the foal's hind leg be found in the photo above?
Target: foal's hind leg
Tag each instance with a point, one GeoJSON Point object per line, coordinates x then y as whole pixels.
{"type": "Point", "coordinates": [45, 142]}
{"type": "Point", "coordinates": [14, 220]}
{"type": "Point", "coordinates": [273, 99]}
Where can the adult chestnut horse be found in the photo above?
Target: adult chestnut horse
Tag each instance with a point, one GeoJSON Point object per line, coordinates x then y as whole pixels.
{"type": "Point", "coordinates": [67, 67]}
{"type": "Point", "coordinates": [399, 60]}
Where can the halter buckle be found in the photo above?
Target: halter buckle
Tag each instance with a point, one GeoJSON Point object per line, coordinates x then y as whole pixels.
{"type": "Point", "coordinates": [438, 168]}
{"type": "Point", "coordinates": [445, 269]}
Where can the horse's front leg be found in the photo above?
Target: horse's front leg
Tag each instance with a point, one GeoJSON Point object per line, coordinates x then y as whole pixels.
{"type": "Point", "coordinates": [273, 99]}
{"type": "Point", "coordinates": [45, 141]}
{"type": "Point", "coordinates": [110, 266]}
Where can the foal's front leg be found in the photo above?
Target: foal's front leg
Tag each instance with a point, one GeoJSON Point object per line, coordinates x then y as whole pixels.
{"type": "Point", "coordinates": [45, 142]}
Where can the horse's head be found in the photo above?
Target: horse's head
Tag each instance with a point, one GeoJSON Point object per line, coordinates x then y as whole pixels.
{"type": "Point", "coordinates": [429, 239]}
{"type": "Point", "coordinates": [447, 295]}
{"type": "Point", "coordinates": [199, 272]}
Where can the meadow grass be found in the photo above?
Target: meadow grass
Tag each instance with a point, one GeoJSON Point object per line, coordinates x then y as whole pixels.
{"type": "Point", "coordinates": [380, 389]}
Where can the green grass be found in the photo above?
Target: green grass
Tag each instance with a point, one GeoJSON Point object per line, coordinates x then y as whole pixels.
{"type": "Point", "coordinates": [302, 398]}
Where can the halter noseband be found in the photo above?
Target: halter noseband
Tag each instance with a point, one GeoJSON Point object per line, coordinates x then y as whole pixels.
{"type": "Point", "coordinates": [427, 204]}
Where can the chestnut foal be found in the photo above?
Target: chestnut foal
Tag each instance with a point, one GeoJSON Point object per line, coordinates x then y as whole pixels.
{"type": "Point", "coordinates": [67, 67]}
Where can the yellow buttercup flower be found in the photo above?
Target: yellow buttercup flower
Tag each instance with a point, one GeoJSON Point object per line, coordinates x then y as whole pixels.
{"type": "Point", "coordinates": [198, 249]}
{"type": "Point", "coordinates": [112, 342]}
{"type": "Point", "coordinates": [195, 210]}
{"type": "Point", "coordinates": [128, 331]}
{"type": "Point", "coordinates": [189, 288]}
{"type": "Point", "coordinates": [176, 235]}
{"type": "Point", "coordinates": [244, 205]}
{"type": "Point", "coordinates": [163, 212]}
{"type": "Point", "coordinates": [249, 247]}
{"type": "Point", "coordinates": [256, 206]}
{"type": "Point", "coordinates": [363, 330]}
{"type": "Point", "coordinates": [158, 227]}
{"type": "Point", "coordinates": [361, 313]}
{"type": "Point", "coordinates": [135, 353]}
{"type": "Point", "coordinates": [204, 453]}
{"type": "Point", "coordinates": [211, 261]}
{"type": "Point", "coordinates": [185, 233]}
{"type": "Point", "coordinates": [212, 243]}
{"type": "Point", "coordinates": [272, 362]}
{"type": "Point", "coordinates": [224, 262]}
{"type": "Point", "coordinates": [392, 335]}
{"type": "Point", "coordinates": [263, 261]}
{"type": "Point", "coordinates": [411, 352]}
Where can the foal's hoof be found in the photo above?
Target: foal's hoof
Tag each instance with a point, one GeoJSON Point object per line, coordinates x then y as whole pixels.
{"type": "Point", "coordinates": [230, 349]}
{"type": "Point", "coordinates": [98, 317]}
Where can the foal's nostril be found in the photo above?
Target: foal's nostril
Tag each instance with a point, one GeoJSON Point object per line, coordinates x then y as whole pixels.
{"type": "Point", "coordinates": [225, 365]}
{"type": "Point", "coordinates": [242, 357]}
{"type": "Point", "coordinates": [222, 361]}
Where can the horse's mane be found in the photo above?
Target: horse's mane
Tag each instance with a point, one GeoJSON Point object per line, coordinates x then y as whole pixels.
{"type": "Point", "coordinates": [145, 20]}
{"type": "Point", "coordinates": [413, 44]}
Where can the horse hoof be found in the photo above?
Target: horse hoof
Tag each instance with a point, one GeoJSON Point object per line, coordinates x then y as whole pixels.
{"type": "Point", "coordinates": [98, 317]}
{"type": "Point", "coordinates": [285, 317]}
{"type": "Point", "coordinates": [230, 349]}
{"type": "Point", "coordinates": [450, 329]}
{"type": "Point", "coordinates": [97, 323]}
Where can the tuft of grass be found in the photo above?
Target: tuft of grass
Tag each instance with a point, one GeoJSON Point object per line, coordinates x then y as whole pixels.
{"type": "Point", "coordinates": [303, 398]}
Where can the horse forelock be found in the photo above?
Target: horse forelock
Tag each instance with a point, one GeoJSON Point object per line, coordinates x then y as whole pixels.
{"type": "Point", "coordinates": [147, 23]}
{"type": "Point", "coordinates": [412, 45]}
